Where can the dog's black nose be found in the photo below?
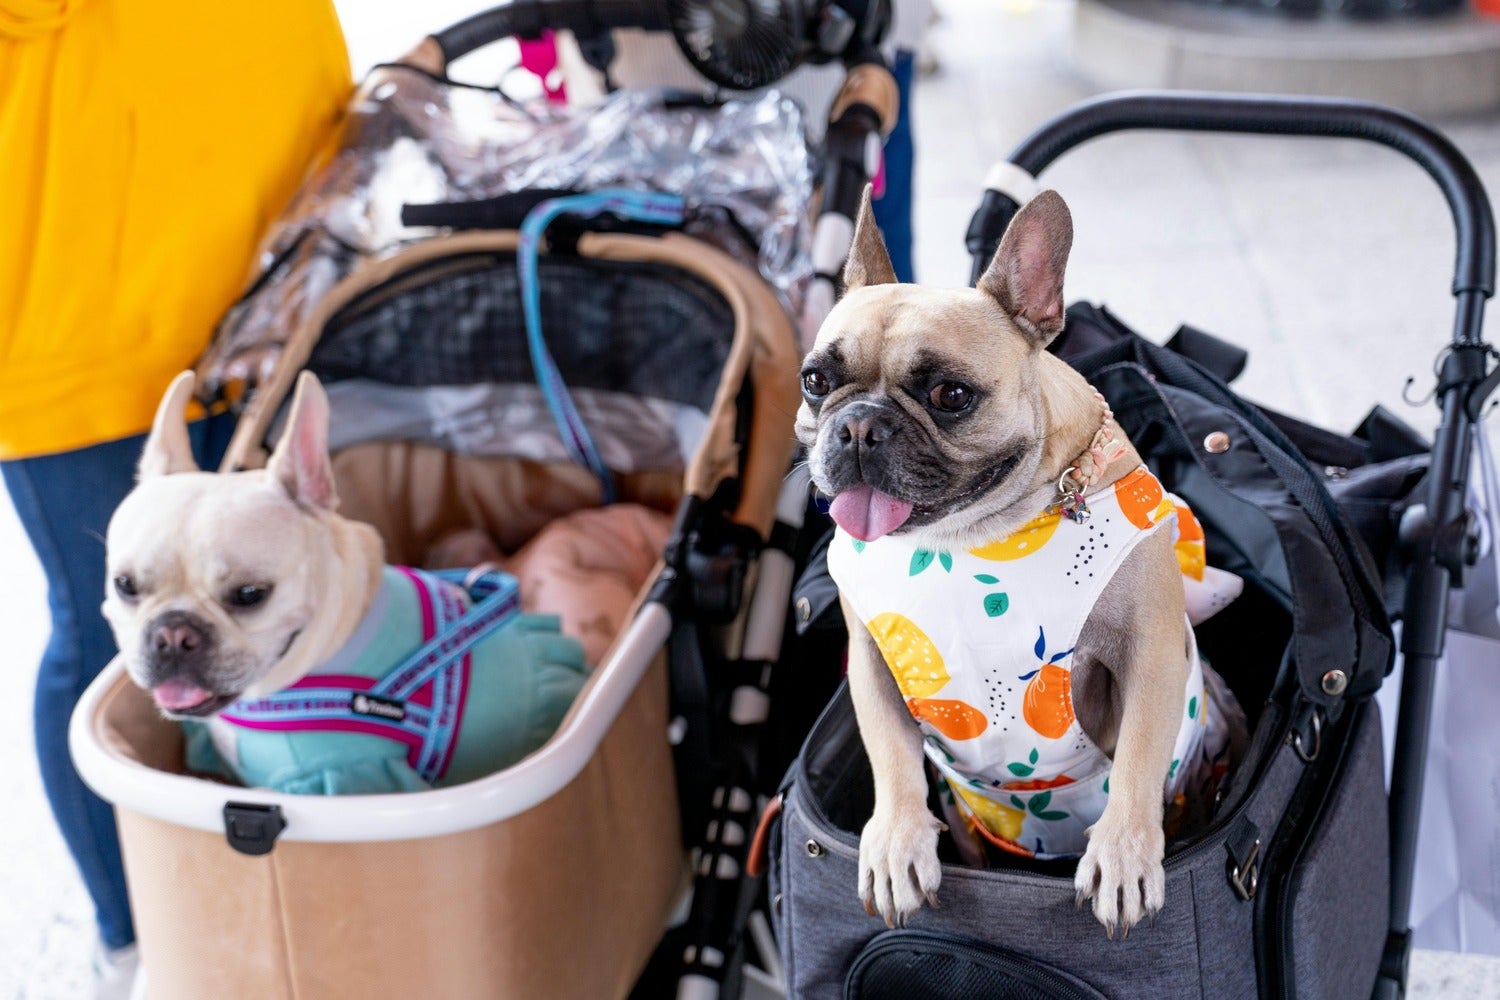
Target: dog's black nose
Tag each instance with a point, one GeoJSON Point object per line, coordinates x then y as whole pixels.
{"type": "Point", "coordinates": [863, 427]}
{"type": "Point", "coordinates": [174, 637]}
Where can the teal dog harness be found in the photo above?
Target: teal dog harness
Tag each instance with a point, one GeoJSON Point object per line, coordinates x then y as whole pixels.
{"type": "Point", "coordinates": [484, 686]}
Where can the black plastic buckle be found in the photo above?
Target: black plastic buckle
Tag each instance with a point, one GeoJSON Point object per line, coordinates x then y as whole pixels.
{"type": "Point", "coordinates": [252, 828]}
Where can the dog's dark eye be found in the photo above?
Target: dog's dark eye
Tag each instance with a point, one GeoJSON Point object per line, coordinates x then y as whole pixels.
{"type": "Point", "coordinates": [951, 396]}
{"type": "Point", "coordinates": [248, 596]}
{"type": "Point", "coordinates": [815, 383]}
{"type": "Point", "coordinates": [125, 586]}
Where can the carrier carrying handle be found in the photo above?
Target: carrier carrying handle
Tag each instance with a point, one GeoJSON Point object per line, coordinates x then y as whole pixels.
{"type": "Point", "coordinates": [1336, 118]}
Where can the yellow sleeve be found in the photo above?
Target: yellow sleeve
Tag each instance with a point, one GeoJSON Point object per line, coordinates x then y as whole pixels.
{"type": "Point", "coordinates": [145, 145]}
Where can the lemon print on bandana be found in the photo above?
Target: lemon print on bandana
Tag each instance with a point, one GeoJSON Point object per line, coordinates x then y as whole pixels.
{"type": "Point", "coordinates": [913, 659]}
{"type": "Point", "coordinates": [1003, 821]}
{"type": "Point", "coordinates": [1025, 540]}
{"type": "Point", "coordinates": [920, 673]}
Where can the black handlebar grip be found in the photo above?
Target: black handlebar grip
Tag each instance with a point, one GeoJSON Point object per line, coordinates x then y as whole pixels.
{"type": "Point", "coordinates": [529, 18]}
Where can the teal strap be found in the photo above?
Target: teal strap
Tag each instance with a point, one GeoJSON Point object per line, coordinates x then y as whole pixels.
{"type": "Point", "coordinates": [640, 206]}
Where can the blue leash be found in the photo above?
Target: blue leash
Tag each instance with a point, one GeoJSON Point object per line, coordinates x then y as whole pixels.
{"type": "Point", "coordinates": [640, 206]}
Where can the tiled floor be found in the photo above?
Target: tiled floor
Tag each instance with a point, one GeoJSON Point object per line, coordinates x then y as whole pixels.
{"type": "Point", "coordinates": [1330, 261]}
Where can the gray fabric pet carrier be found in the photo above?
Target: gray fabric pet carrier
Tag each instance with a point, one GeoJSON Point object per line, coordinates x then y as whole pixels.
{"type": "Point", "coordinates": [1299, 886]}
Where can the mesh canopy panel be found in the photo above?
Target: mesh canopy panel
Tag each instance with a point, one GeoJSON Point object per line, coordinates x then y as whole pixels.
{"type": "Point", "coordinates": [641, 329]}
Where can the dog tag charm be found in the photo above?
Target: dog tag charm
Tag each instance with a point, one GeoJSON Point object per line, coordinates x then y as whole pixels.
{"type": "Point", "coordinates": [1074, 507]}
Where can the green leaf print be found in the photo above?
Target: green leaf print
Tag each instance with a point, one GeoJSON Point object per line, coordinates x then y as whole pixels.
{"type": "Point", "coordinates": [947, 561]}
{"type": "Point", "coordinates": [996, 605]}
{"type": "Point", "coordinates": [859, 546]}
{"type": "Point", "coordinates": [986, 578]}
{"type": "Point", "coordinates": [1033, 756]}
{"type": "Point", "coordinates": [1193, 707]}
{"type": "Point", "coordinates": [1015, 800]}
{"type": "Point", "coordinates": [941, 748]}
{"type": "Point", "coordinates": [1106, 786]}
{"type": "Point", "coordinates": [1054, 815]}
{"type": "Point", "coordinates": [920, 560]}
{"type": "Point", "coordinates": [1172, 771]}
{"type": "Point", "coordinates": [1040, 801]}
{"type": "Point", "coordinates": [1019, 770]}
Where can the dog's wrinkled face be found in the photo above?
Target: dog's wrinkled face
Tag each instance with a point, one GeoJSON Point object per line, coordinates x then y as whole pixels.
{"type": "Point", "coordinates": [924, 409]}
{"type": "Point", "coordinates": [212, 578]}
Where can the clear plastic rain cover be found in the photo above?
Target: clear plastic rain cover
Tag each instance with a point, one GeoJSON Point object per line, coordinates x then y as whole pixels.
{"type": "Point", "coordinates": [745, 169]}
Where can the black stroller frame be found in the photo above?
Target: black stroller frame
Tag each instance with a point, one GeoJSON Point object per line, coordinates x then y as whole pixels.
{"type": "Point", "coordinates": [1437, 537]}
{"type": "Point", "coordinates": [722, 778]}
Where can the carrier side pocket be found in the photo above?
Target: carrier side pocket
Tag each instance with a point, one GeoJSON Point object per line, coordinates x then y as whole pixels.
{"type": "Point", "coordinates": [919, 965]}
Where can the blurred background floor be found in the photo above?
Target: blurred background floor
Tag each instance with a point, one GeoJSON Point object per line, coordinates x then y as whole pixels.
{"type": "Point", "coordinates": [1329, 261]}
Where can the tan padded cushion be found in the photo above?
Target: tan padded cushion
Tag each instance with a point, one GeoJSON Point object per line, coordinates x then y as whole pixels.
{"type": "Point", "coordinates": [414, 494]}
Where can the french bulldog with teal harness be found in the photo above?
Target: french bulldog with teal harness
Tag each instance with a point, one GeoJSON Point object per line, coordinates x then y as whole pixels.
{"type": "Point", "coordinates": [295, 657]}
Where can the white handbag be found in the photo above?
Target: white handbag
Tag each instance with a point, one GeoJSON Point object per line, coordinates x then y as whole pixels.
{"type": "Point", "coordinates": [1456, 888]}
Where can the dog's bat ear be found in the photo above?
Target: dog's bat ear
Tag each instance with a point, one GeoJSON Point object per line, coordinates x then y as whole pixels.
{"type": "Point", "coordinates": [300, 462]}
{"type": "Point", "coordinates": [168, 449]}
{"type": "Point", "coordinates": [1026, 274]}
{"type": "Point", "coordinates": [868, 263]}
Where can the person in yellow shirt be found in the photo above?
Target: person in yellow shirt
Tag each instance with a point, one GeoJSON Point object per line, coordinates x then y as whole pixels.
{"type": "Point", "coordinates": [144, 147]}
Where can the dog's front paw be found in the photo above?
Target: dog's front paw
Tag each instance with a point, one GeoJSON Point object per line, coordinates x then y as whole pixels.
{"type": "Point", "coordinates": [1121, 872]}
{"type": "Point", "coordinates": [898, 863]}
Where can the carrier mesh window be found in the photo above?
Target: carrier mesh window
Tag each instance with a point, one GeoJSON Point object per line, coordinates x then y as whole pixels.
{"type": "Point", "coordinates": [918, 975]}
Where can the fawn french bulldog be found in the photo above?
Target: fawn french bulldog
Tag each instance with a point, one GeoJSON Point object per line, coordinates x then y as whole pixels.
{"type": "Point", "coordinates": [1010, 576]}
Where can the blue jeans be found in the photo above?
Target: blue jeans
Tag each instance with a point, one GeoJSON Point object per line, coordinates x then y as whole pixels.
{"type": "Point", "coordinates": [893, 209]}
{"type": "Point", "coordinates": [64, 502]}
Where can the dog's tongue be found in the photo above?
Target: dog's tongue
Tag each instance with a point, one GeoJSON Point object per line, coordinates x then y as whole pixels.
{"type": "Point", "coordinates": [866, 513]}
{"type": "Point", "coordinates": [177, 694]}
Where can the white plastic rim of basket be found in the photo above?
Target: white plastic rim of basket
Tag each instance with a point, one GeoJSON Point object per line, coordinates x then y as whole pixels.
{"type": "Point", "coordinates": [193, 802]}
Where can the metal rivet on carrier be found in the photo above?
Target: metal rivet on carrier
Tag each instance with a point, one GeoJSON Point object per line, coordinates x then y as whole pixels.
{"type": "Point", "coordinates": [814, 849]}
{"type": "Point", "coordinates": [804, 610]}
{"type": "Point", "coordinates": [1216, 443]}
{"type": "Point", "coordinates": [1335, 681]}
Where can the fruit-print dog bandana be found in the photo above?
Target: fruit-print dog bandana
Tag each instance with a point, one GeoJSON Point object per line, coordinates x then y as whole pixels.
{"type": "Point", "coordinates": [981, 642]}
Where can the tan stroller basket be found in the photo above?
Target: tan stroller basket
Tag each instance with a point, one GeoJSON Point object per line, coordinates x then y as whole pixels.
{"type": "Point", "coordinates": [556, 877]}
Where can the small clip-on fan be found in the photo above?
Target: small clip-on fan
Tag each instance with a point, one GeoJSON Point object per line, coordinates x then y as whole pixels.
{"type": "Point", "coordinates": [739, 44]}
{"type": "Point", "coordinates": [748, 44]}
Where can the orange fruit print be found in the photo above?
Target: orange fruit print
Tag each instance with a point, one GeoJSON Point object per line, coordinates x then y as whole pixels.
{"type": "Point", "coordinates": [957, 720]}
{"type": "Point", "coordinates": [1047, 705]}
{"type": "Point", "coordinates": [1036, 784]}
{"type": "Point", "coordinates": [1141, 498]}
{"type": "Point", "coordinates": [1191, 555]}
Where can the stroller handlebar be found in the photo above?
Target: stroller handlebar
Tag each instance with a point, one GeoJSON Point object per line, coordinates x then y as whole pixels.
{"type": "Point", "coordinates": [1474, 269]}
{"type": "Point", "coordinates": [529, 18]}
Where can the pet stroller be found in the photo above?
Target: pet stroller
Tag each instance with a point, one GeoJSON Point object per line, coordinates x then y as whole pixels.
{"type": "Point", "coordinates": [1301, 884]}
{"type": "Point", "coordinates": [440, 330]}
